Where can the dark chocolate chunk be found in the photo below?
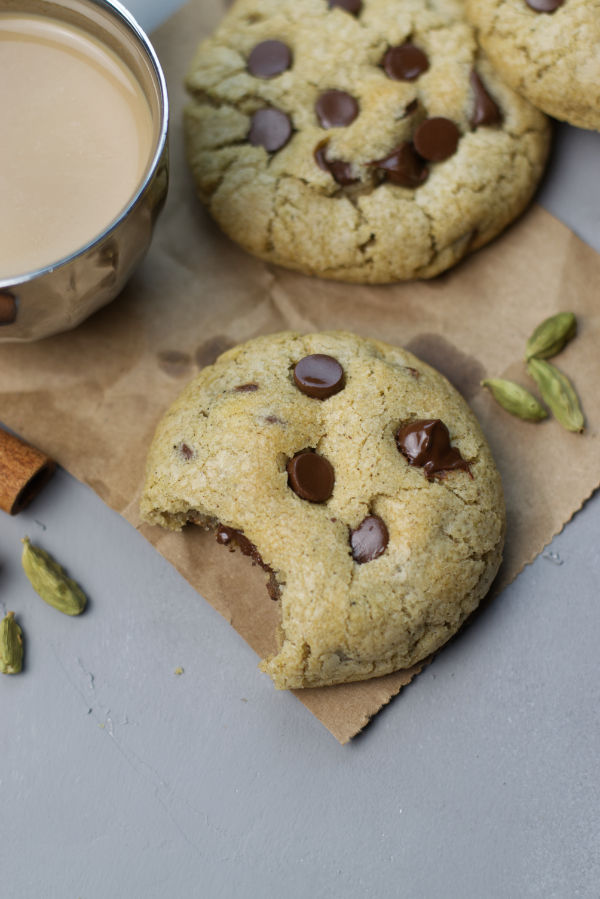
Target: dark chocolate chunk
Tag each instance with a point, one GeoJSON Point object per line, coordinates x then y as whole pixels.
{"type": "Point", "coordinates": [269, 58]}
{"type": "Point", "coordinates": [369, 540]}
{"type": "Point", "coordinates": [351, 6]}
{"type": "Point", "coordinates": [485, 112]}
{"type": "Point", "coordinates": [405, 63]}
{"type": "Point", "coordinates": [336, 109]}
{"type": "Point", "coordinates": [544, 5]}
{"type": "Point", "coordinates": [319, 376]}
{"type": "Point", "coordinates": [436, 139]}
{"type": "Point", "coordinates": [270, 128]}
{"type": "Point", "coordinates": [339, 170]}
{"type": "Point", "coordinates": [8, 309]}
{"type": "Point", "coordinates": [311, 476]}
{"type": "Point", "coordinates": [426, 444]}
{"type": "Point", "coordinates": [404, 166]}
{"type": "Point", "coordinates": [412, 107]}
{"type": "Point", "coordinates": [246, 388]}
{"type": "Point", "coordinates": [226, 536]}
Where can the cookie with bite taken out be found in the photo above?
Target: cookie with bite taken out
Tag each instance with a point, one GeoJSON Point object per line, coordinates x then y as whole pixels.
{"type": "Point", "coordinates": [357, 477]}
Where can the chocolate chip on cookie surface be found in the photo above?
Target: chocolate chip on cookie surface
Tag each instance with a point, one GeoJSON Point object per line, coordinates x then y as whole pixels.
{"type": "Point", "coordinates": [375, 155]}
{"type": "Point", "coordinates": [548, 50]}
{"type": "Point", "coordinates": [377, 510]}
{"type": "Point", "coordinates": [319, 375]}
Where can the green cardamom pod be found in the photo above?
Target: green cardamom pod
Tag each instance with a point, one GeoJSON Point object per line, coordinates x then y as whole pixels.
{"type": "Point", "coordinates": [11, 645]}
{"type": "Point", "coordinates": [49, 579]}
{"type": "Point", "coordinates": [558, 393]}
{"type": "Point", "coordinates": [515, 399]}
{"type": "Point", "coordinates": [550, 337]}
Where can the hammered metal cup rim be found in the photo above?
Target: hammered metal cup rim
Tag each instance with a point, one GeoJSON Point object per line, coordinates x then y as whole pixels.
{"type": "Point", "coordinates": [116, 9]}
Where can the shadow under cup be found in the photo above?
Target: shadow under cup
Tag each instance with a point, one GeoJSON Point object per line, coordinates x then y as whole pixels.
{"type": "Point", "coordinates": [60, 296]}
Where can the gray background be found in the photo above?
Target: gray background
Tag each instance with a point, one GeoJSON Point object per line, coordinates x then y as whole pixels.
{"type": "Point", "coordinates": [120, 778]}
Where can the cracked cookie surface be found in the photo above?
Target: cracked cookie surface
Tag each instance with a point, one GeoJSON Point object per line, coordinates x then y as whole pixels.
{"type": "Point", "coordinates": [386, 569]}
{"type": "Point", "coordinates": [551, 58]}
{"type": "Point", "coordinates": [326, 201]}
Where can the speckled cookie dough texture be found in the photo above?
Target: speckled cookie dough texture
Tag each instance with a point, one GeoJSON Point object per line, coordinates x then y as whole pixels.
{"type": "Point", "coordinates": [387, 568]}
{"type": "Point", "coordinates": [552, 58]}
{"type": "Point", "coordinates": [316, 168]}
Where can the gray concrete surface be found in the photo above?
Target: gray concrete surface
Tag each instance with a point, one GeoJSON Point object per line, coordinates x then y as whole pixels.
{"type": "Point", "coordinates": [119, 778]}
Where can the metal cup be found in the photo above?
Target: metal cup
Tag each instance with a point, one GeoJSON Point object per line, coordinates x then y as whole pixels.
{"type": "Point", "coordinates": [62, 295]}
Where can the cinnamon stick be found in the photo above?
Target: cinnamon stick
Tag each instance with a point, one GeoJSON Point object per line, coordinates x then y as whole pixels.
{"type": "Point", "coordinates": [24, 471]}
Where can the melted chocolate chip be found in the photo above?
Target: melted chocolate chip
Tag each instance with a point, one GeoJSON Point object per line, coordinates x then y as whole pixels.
{"type": "Point", "coordinates": [270, 128]}
{"type": "Point", "coordinates": [544, 5]}
{"type": "Point", "coordinates": [269, 58]}
{"type": "Point", "coordinates": [405, 63]}
{"type": "Point", "coordinates": [485, 112]}
{"type": "Point", "coordinates": [436, 139]}
{"type": "Point", "coordinates": [311, 476]}
{"type": "Point", "coordinates": [336, 109]}
{"type": "Point", "coordinates": [403, 166]}
{"type": "Point", "coordinates": [426, 444]}
{"type": "Point", "coordinates": [227, 536]}
{"type": "Point", "coordinates": [8, 309]}
{"type": "Point", "coordinates": [339, 170]}
{"type": "Point", "coordinates": [274, 587]}
{"type": "Point", "coordinates": [369, 540]}
{"type": "Point", "coordinates": [319, 376]}
{"type": "Point", "coordinates": [351, 6]}
{"type": "Point", "coordinates": [246, 388]}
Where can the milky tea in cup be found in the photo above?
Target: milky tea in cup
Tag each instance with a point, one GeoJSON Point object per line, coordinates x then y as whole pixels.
{"type": "Point", "coordinates": [76, 140]}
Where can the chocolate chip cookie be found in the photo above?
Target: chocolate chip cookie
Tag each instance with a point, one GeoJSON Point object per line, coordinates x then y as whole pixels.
{"type": "Point", "coordinates": [357, 477]}
{"type": "Point", "coordinates": [361, 141]}
{"type": "Point", "coordinates": [548, 50]}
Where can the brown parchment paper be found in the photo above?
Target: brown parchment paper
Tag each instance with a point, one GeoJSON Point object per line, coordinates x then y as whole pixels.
{"type": "Point", "coordinates": [91, 398]}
